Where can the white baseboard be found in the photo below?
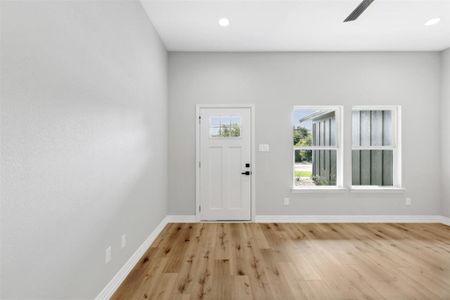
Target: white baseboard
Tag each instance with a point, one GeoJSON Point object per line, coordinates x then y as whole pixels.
{"type": "Point", "coordinates": [329, 219]}
{"type": "Point", "coordinates": [181, 219]}
{"type": "Point", "coordinates": [112, 286]}
{"type": "Point", "coordinates": [349, 219]}
{"type": "Point", "coordinates": [117, 280]}
{"type": "Point", "coordinates": [445, 220]}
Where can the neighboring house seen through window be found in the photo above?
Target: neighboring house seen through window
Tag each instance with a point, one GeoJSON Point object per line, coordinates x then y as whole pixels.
{"type": "Point", "coordinates": [375, 147]}
{"type": "Point", "coordinates": [316, 147]}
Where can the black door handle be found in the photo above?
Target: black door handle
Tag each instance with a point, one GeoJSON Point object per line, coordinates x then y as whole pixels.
{"type": "Point", "coordinates": [246, 173]}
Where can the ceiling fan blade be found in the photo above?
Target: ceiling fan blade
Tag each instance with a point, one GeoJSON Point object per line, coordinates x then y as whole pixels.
{"type": "Point", "coordinates": [358, 10]}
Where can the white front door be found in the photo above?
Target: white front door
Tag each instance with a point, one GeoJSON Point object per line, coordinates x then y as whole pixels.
{"type": "Point", "coordinates": [225, 164]}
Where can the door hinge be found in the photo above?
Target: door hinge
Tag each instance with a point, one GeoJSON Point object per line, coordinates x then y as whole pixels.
{"type": "Point", "coordinates": [199, 208]}
{"type": "Point", "coordinates": [199, 119]}
{"type": "Point", "coordinates": [199, 164]}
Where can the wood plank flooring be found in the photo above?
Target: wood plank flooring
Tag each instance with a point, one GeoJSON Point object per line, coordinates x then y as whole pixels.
{"type": "Point", "coordinates": [294, 261]}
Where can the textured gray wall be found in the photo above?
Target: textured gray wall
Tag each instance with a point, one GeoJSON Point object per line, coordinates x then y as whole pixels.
{"type": "Point", "coordinates": [83, 143]}
{"type": "Point", "coordinates": [275, 82]}
{"type": "Point", "coordinates": [445, 131]}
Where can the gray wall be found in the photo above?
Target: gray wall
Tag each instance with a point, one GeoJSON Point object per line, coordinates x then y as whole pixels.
{"type": "Point", "coordinates": [275, 82]}
{"type": "Point", "coordinates": [445, 131]}
{"type": "Point", "coordinates": [84, 142]}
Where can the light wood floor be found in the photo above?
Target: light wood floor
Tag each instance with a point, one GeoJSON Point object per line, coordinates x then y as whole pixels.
{"type": "Point", "coordinates": [294, 261]}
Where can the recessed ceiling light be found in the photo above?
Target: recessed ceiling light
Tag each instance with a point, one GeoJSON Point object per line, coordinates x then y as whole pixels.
{"type": "Point", "coordinates": [432, 21]}
{"type": "Point", "coordinates": [224, 22]}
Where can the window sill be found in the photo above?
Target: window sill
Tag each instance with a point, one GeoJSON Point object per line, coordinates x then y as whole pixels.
{"type": "Point", "coordinates": [318, 190]}
{"type": "Point", "coordinates": [375, 189]}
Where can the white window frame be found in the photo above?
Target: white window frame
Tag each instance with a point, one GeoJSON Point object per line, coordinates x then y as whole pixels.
{"type": "Point", "coordinates": [396, 148]}
{"type": "Point", "coordinates": [338, 109]}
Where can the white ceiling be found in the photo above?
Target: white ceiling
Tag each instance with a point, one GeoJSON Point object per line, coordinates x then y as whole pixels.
{"type": "Point", "coordinates": [300, 25]}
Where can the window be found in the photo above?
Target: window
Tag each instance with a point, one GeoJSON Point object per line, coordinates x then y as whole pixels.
{"type": "Point", "coordinates": [225, 126]}
{"type": "Point", "coordinates": [375, 147]}
{"type": "Point", "coordinates": [317, 152]}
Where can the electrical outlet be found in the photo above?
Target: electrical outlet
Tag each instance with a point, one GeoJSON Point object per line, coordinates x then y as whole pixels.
{"type": "Point", "coordinates": [123, 241]}
{"type": "Point", "coordinates": [286, 201]}
{"type": "Point", "coordinates": [408, 201]}
{"type": "Point", "coordinates": [108, 255]}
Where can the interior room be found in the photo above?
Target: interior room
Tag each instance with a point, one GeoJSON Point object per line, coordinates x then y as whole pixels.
{"type": "Point", "coordinates": [225, 149]}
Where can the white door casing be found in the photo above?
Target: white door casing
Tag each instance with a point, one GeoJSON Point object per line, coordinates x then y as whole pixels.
{"type": "Point", "coordinates": [224, 163]}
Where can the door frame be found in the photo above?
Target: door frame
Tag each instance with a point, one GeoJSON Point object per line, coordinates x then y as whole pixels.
{"type": "Point", "coordinates": [252, 155]}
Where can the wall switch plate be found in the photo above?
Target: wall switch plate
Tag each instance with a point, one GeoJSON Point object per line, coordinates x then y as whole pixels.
{"type": "Point", "coordinates": [408, 201]}
{"type": "Point", "coordinates": [108, 255]}
{"type": "Point", "coordinates": [286, 201]}
{"type": "Point", "coordinates": [263, 148]}
{"type": "Point", "coordinates": [123, 241]}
